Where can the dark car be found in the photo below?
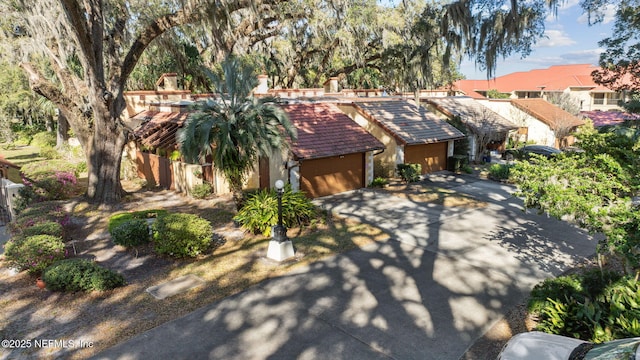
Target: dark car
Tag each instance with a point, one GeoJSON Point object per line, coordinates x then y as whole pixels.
{"type": "Point", "coordinates": [525, 152]}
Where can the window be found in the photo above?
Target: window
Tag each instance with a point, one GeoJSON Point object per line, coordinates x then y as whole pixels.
{"type": "Point", "coordinates": [598, 99]}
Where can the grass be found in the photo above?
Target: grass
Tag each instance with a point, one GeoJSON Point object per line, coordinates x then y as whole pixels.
{"type": "Point", "coordinates": [21, 155]}
{"type": "Point", "coordinates": [119, 314]}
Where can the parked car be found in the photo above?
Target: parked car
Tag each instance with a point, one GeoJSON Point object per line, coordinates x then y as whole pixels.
{"type": "Point", "coordinates": [525, 152]}
{"type": "Point", "coordinates": [537, 345]}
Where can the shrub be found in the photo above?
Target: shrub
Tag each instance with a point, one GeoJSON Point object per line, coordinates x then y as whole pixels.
{"type": "Point", "coordinates": [34, 253]}
{"type": "Point", "coordinates": [44, 228]}
{"type": "Point", "coordinates": [260, 211]}
{"type": "Point", "coordinates": [117, 219]}
{"type": "Point", "coordinates": [596, 306]}
{"type": "Point", "coordinates": [131, 232]}
{"type": "Point", "coordinates": [80, 275]}
{"type": "Point", "coordinates": [500, 171]}
{"type": "Point", "coordinates": [201, 191]}
{"type": "Point", "coordinates": [81, 167]}
{"type": "Point", "coordinates": [409, 172]}
{"type": "Point", "coordinates": [49, 152]}
{"type": "Point", "coordinates": [44, 139]}
{"type": "Point", "coordinates": [181, 235]}
{"type": "Point", "coordinates": [42, 169]}
{"type": "Point", "coordinates": [379, 182]}
{"type": "Point", "coordinates": [39, 213]}
{"type": "Point", "coordinates": [467, 169]}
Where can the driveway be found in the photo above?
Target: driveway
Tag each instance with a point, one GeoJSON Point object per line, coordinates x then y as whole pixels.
{"type": "Point", "coordinates": [446, 275]}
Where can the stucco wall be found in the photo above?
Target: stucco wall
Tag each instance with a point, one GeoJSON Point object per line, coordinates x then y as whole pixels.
{"type": "Point", "coordinates": [385, 162]}
{"type": "Point", "coordinates": [538, 132]}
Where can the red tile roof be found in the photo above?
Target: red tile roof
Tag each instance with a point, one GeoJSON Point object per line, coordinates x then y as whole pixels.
{"type": "Point", "coordinates": [409, 123]}
{"type": "Point", "coordinates": [554, 78]}
{"type": "Point", "coordinates": [324, 131]}
{"type": "Point", "coordinates": [547, 113]}
{"type": "Point", "coordinates": [7, 163]}
{"type": "Point", "coordinates": [159, 128]}
{"type": "Point", "coordinates": [604, 118]}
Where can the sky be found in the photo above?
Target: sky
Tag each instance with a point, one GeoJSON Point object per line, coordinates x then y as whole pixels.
{"type": "Point", "coordinates": [568, 40]}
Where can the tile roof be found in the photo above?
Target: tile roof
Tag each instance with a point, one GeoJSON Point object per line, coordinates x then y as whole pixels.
{"type": "Point", "coordinates": [547, 113]}
{"type": "Point", "coordinates": [158, 129]}
{"type": "Point", "coordinates": [472, 113]}
{"type": "Point", "coordinates": [324, 131]}
{"type": "Point", "coordinates": [605, 118]}
{"type": "Point", "coordinates": [7, 163]}
{"type": "Point", "coordinates": [554, 78]}
{"type": "Point", "coordinates": [408, 123]}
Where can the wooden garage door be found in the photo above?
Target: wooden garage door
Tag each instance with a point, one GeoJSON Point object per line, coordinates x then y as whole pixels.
{"type": "Point", "coordinates": [332, 175]}
{"type": "Point", "coordinates": [432, 157]}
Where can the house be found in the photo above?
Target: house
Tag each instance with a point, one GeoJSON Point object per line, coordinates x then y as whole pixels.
{"type": "Point", "coordinates": [409, 132]}
{"type": "Point", "coordinates": [574, 80]}
{"type": "Point", "coordinates": [486, 128]}
{"type": "Point", "coordinates": [332, 153]}
{"type": "Point", "coordinates": [540, 122]}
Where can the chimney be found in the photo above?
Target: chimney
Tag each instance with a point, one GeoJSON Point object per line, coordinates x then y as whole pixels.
{"type": "Point", "coordinates": [263, 86]}
{"type": "Point", "coordinates": [331, 85]}
{"type": "Point", "coordinates": [168, 81]}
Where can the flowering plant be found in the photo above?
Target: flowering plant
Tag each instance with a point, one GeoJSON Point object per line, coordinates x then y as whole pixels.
{"type": "Point", "coordinates": [34, 253]}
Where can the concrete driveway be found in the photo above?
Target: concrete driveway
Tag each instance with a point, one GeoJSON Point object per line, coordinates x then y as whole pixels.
{"type": "Point", "coordinates": [445, 277]}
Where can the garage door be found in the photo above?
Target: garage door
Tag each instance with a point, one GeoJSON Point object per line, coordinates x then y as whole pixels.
{"type": "Point", "coordinates": [332, 175]}
{"type": "Point", "coordinates": [432, 157]}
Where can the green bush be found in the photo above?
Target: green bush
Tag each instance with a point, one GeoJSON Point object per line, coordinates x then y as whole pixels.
{"type": "Point", "coordinates": [260, 211]}
{"type": "Point", "coordinates": [49, 152]}
{"type": "Point", "coordinates": [44, 228]}
{"type": "Point", "coordinates": [201, 191]}
{"type": "Point", "coordinates": [39, 213]}
{"type": "Point", "coordinates": [131, 232]}
{"type": "Point", "coordinates": [44, 139]}
{"type": "Point", "coordinates": [500, 171]}
{"type": "Point", "coordinates": [117, 219]}
{"type": "Point", "coordinates": [596, 306]}
{"type": "Point", "coordinates": [409, 172]}
{"type": "Point", "coordinates": [48, 168]}
{"type": "Point", "coordinates": [379, 182]}
{"type": "Point", "coordinates": [80, 275]}
{"type": "Point", "coordinates": [34, 253]}
{"type": "Point", "coordinates": [81, 167]}
{"type": "Point", "coordinates": [467, 169]}
{"type": "Point", "coordinates": [456, 163]}
{"type": "Point", "coordinates": [182, 235]}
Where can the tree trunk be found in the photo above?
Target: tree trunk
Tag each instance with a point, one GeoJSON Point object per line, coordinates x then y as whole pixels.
{"type": "Point", "coordinates": [62, 135]}
{"type": "Point", "coordinates": [103, 161]}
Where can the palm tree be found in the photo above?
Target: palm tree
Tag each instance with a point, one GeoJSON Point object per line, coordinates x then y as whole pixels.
{"type": "Point", "coordinates": [235, 128]}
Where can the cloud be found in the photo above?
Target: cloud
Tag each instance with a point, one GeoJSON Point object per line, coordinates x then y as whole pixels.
{"type": "Point", "coordinates": [555, 38]}
{"type": "Point", "coordinates": [608, 13]}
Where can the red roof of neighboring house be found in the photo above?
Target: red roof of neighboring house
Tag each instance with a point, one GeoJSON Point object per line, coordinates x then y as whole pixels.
{"type": "Point", "coordinates": [547, 113]}
{"type": "Point", "coordinates": [7, 163]}
{"type": "Point", "coordinates": [604, 118]}
{"type": "Point", "coordinates": [554, 78]}
{"type": "Point", "coordinates": [324, 131]}
{"type": "Point", "coordinates": [159, 128]}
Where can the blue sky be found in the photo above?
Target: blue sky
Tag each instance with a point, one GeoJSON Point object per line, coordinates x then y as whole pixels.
{"type": "Point", "coordinates": [569, 40]}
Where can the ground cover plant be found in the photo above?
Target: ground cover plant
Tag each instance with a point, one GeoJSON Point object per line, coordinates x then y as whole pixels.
{"type": "Point", "coordinates": [260, 211]}
{"type": "Point", "coordinates": [80, 275]}
{"type": "Point", "coordinates": [596, 306]}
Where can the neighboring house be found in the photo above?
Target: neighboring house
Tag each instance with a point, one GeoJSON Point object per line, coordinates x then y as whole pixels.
{"type": "Point", "coordinates": [609, 118]}
{"type": "Point", "coordinates": [575, 80]}
{"type": "Point", "coordinates": [332, 153]}
{"type": "Point", "coordinates": [487, 129]}
{"type": "Point", "coordinates": [545, 123]}
{"type": "Point", "coordinates": [409, 132]}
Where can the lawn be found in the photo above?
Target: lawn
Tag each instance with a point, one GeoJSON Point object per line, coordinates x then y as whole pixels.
{"type": "Point", "coordinates": [107, 318]}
